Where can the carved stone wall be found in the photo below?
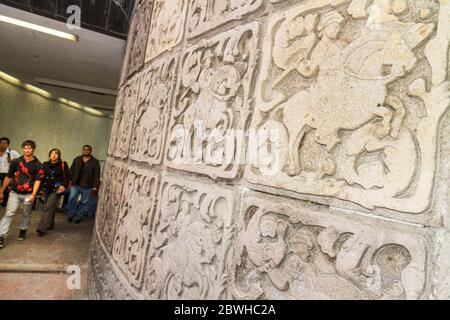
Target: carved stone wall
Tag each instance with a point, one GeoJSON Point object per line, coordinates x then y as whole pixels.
{"type": "Point", "coordinates": [279, 149]}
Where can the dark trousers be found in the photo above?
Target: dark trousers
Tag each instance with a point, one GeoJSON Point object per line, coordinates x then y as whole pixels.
{"type": "Point", "coordinates": [6, 194]}
{"type": "Point", "coordinates": [48, 215]}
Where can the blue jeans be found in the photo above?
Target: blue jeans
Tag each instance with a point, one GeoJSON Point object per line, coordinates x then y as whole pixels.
{"type": "Point", "coordinates": [92, 206]}
{"type": "Point", "coordinates": [72, 209]}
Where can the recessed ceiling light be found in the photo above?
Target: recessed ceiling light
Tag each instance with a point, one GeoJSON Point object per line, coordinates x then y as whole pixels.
{"type": "Point", "coordinates": [48, 95]}
{"type": "Point", "coordinates": [35, 27]}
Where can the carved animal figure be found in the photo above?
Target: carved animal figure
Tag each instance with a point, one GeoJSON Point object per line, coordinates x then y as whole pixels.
{"type": "Point", "coordinates": [182, 274]}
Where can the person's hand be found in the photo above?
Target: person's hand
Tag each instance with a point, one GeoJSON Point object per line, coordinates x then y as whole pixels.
{"type": "Point", "coordinates": [2, 196]}
{"type": "Point", "coordinates": [31, 199]}
{"type": "Point", "coordinates": [307, 69]}
{"type": "Point", "coordinates": [61, 189]}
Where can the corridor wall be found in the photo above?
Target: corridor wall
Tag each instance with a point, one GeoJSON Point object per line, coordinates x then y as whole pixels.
{"type": "Point", "coordinates": [26, 115]}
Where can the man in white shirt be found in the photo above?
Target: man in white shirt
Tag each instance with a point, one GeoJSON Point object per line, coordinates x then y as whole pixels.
{"type": "Point", "coordinates": [6, 156]}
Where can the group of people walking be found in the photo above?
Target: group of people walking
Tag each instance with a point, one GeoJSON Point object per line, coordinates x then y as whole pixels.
{"type": "Point", "coordinates": [24, 177]}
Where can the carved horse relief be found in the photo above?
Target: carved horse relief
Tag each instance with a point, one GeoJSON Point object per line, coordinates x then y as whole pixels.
{"type": "Point", "coordinates": [338, 100]}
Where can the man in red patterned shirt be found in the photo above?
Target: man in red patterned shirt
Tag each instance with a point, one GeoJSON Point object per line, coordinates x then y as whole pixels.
{"type": "Point", "coordinates": [24, 177]}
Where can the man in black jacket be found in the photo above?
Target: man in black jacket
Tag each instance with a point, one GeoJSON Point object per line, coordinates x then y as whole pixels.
{"type": "Point", "coordinates": [85, 173]}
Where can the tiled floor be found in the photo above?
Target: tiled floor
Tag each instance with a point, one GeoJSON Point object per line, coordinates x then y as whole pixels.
{"type": "Point", "coordinates": [36, 268]}
{"type": "Point", "coordinates": [37, 286]}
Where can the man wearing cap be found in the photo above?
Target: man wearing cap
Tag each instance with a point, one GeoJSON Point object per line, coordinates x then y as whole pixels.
{"type": "Point", "coordinates": [327, 54]}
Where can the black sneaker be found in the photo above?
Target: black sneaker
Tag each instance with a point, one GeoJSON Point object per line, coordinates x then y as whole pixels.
{"type": "Point", "coordinates": [22, 235]}
{"type": "Point", "coordinates": [77, 221]}
{"type": "Point", "coordinates": [70, 219]}
{"type": "Point", "coordinates": [2, 242]}
{"type": "Point", "coordinates": [40, 233]}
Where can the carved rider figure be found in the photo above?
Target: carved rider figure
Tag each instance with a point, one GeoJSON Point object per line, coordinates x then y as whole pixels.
{"type": "Point", "coordinates": [327, 54]}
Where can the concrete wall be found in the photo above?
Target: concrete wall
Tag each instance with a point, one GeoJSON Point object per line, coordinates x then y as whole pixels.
{"type": "Point", "coordinates": [25, 115]}
{"type": "Point", "coordinates": [343, 195]}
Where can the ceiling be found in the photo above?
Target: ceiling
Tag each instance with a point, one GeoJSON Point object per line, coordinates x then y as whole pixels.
{"type": "Point", "coordinates": [92, 65]}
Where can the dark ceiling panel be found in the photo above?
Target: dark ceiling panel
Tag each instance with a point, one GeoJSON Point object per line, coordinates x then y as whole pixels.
{"type": "Point", "coordinates": [47, 7]}
{"type": "Point", "coordinates": [119, 17]}
{"type": "Point", "coordinates": [64, 4]}
{"type": "Point", "coordinates": [94, 12]}
{"type": "Point", "coordinates": [105, 16]}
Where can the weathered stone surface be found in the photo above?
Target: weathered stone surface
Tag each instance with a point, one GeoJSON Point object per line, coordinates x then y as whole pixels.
{"type": "Point", "coordinates": [356, 103]}
{"type": "Point", "coordinates": [105, 281]}
{"type": "Point", "coordinates": [166, 27]}
{"type": "Point", "coordinates": [119, 143]}
{"type": "Point", "coordinates": [133, 226]}
{"type": "Point", "coordinates": [279, 149]}
{"type": "Point", "coordinates": [287, 249]}
{"type": "Point", "coordinates": [110, 201]}
{"type": "Point", "coordinates": [213, 98]}
{"type": "Point", "coordinates": [205, 15]}
{"type": "Point", "coordinates": [139, 31]}
{"type": "Point", "coordinates": [152, 114]}
{"type": "Point", "coordinates": [192, 242]}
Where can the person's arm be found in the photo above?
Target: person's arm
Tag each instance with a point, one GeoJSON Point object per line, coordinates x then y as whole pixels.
{"type": "Point", "coordinates": [5, 185]}
{"type": "Point", "coordinates": [96, 176]}
{"type": "Point", "coordinates": [67, 176]}
{"type": "Point", "coordinates": [72, 168]}
{"type": "Point", "coordinates": [37, 183]}
{"type": "Point", "coordinates": [8, 179]}
{"type": "Point", "coordinates": [36, 187]}
{"type": "Point", "coordinates": [66, 181]}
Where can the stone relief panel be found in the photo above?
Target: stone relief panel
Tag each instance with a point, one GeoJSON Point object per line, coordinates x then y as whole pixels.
{"type": "Point", "coordinates": [138, 35]}
{"type": "Point", "coordinates": [133, 231]}
{"type": "Point", "coordinates": [152, 114]}
{"type": "Point", "coordinates": [124, 118]}
{"type": "Point", "coordinates": [118, 114]}
{"type": "Point", "coordinates": [110, 201]}
{"type": "Point", "coordinates": [286, 249]}
{"type": "Point", "coordinates": [166, 27]}
{"type": "Point", "coordinates": [192, 241]}
{"type": "Point", "coordinates": [352, 94]}
{"type": "Point", "coordinates": [349, 96]}
{"type": "Point", "coordinates": [104, 282]}
{"type": "Point", "coordinates": [205, 15]}
{"type": "Point", "coordinates": [213, 104]}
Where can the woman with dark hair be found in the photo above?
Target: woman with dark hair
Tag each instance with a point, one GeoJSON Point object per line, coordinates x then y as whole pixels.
{"type": "Point", "coordinates": [56, 181]}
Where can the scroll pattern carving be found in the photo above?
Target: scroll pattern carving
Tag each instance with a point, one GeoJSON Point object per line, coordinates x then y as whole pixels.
{"type": "Point", "coordinates": [118, 114]}
{"type": "Point", "coordinates": [351, 93]}
{"type": "Point", "coordinates": [103, 279]}
{"type": "Point", "coordinates": [167, 26]}
{"type": "Point", "coordinates": [213, 96]}
{"type": "Point", "coordinates": [110, 201]}
{"type": "Point", "coordinates": [287, 250]}
{"type": "Point", "coordinates": [138, 35]}
{"type": "Point", "coordinates": [348, 98]}
{"type": "Point", "coordinates": [192, 241]}
{"type": "Point", "coordinates": [124, 115]}
{"type": "Point", "coordinates": [150, 124]}
{"type": "Point", "coordinates": [132, 235]}
{"type": "Point", "coordinates": [205, 15]}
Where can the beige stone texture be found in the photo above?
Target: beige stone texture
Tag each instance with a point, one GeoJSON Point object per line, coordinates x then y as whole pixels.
{"type": "Point", "coordinates": [336, 182]}
{"type": "Point", "coordinates": [166, 26]}
{"type": "Point", "coordinates": [214, 93]}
